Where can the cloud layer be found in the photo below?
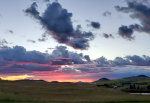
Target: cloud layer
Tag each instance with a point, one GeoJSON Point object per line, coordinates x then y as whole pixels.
{"type": "Point", "coordinates": [62, 63]}
{"type": "Point", "coordinates": [19, 60]}
{"type": "Point", "coordinates": [123, 61]}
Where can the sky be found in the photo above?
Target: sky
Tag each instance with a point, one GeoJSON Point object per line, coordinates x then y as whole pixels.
{"type": "Point", "coordinates": [74, 40]}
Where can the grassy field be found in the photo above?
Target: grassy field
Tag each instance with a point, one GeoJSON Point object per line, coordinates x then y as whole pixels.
{"type": "Point", "coordinates": [140, 80]}
{"type": "Point", "coordinates": [43, 92]}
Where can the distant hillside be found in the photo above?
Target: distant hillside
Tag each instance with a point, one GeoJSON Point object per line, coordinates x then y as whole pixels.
{"type": "Point", "coordinates": [102, 80]}
{"type": "Point", "coordinates": [136, 78]}
{"type": "Point", "coordinates": [126, 81]}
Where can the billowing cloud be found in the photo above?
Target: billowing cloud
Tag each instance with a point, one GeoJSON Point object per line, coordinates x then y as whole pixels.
{"type": "Point", "coordinates": [95, 25]}
{"type": "Point", "coordinates": [139, 11]}
{"type": "Point", "coordinates": [20, 54]}
{"type": "Point", "coordinates": [123, 61]}
{"type": "Point", "coordinates": [126, 32]}
{"type": "Point", "coordinates": [57, 21]}
{"type": "Point", "coordinates": [62, 63]}
{"type": "Point", "coordinates": [102, 60]}
{"type": "Point", "coordinates": [87, 69]}
{"type": "Point", "coordinates": [87, 57]}
{"type": "Point", "coordinates": [137, 60]}
{"type": "Point", "coordinates": [119, 61]}
{"type": "Point", "coordinates": [18, 60]}
{"type": "Point", "coordinates": [25, 68]}
{"type": "Point", "coordinates": [61, 51]}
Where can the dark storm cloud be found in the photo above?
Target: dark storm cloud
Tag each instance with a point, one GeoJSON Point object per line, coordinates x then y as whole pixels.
{"type": "Point", "coordinates": [57, 21]}
{"type": "Point", "coordinates": [87, 69]}
{"type": "Point", "coordinates": [127, 31]}
{"type": "Point", "coordinates": [140, 11]}
{"type": "Point", "coordinates": [107, 13]}
{"type": "Point", "coordinates": [87, 57]}
{"type": "Point", "coordinates": [123, 61]}
{"type": "Point", "coordinates": [108, 35]}
{"type": "Point", "coordinates": [19, 60]}
{"type": "Point", "coordinates": [118, 61]}
{"type": "Point", "coordinates": [20, 54]}
{"type": "Point", "coordinates": [102, 60]}
{"type": "Point", "coordinates": [3, 63]}
{"type": "Point", "coordinates": [34, 67]}
{"type": "Point", "coordinates": [61, 51]}
{"type": "Point", "coordinates": [26, 68]}
{"type": "Point", "coordinates": [137, 60]}
{"type": "Point", "coordinates": [13, 70]}
{"type": "Point", "coordinates": [95, 25]}
{"type": "Point", "coordinates": [47, 0]}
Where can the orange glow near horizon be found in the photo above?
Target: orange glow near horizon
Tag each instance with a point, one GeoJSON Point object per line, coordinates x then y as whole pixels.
{"type": "Point", "coordinates": [13, 78]}
{"type": "Point", "coordinates": [147, 68]}
{"type": "Point", "coordinates": [62, 79]}
{"type": "Point", "coordinates": [58, 74]}
{"type": "Point", "coordinates": [49, 77]}
{"type": "Point", "coordinates": [74, 80]}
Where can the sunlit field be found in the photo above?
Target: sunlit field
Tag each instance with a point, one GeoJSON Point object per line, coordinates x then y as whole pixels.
{"type": "Point", "coordinates": [43, 92]}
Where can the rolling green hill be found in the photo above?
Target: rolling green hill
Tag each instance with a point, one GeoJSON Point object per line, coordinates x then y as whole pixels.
{"type": "Point", "coordinates": [140, 83]}
{"type": "Point", "coordinates": [128, 80]}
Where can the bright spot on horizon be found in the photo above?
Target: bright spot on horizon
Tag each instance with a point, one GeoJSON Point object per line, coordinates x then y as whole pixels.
{"type": "Point", "coordinates": [13, 78]}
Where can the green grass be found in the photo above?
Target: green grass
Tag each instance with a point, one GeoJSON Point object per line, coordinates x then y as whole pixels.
{"type": "Point", "coordinates": [42, 92]}
{"type": "Point", "coordinates": [125, 82]}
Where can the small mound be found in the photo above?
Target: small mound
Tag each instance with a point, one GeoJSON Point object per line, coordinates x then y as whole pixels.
{"type": "Point", "coordinates": [103, 79]}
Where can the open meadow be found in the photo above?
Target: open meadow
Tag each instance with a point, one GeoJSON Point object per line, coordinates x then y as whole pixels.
{"type": "Point", "coordinates": [43, 92]}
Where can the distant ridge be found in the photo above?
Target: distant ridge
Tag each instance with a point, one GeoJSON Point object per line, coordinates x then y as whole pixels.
{"type": "Point", "coordinates": [142, 76]}
{"type": "Point", "coordinates": [132, 79]}
{"type": "Point", "coordinates": [30, 80]}
{"type": "Point", "coordinates": [103, 79]}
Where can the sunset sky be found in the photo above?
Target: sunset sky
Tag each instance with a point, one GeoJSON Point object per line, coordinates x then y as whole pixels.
{"type": "Point", "coordinates": [74, 40]}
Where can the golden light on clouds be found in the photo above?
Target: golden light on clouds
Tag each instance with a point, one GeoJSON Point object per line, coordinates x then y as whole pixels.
{"type": "Point", "coordinates": [13, 78]}
{"type": "Point", "coordinates": [147, 68]}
